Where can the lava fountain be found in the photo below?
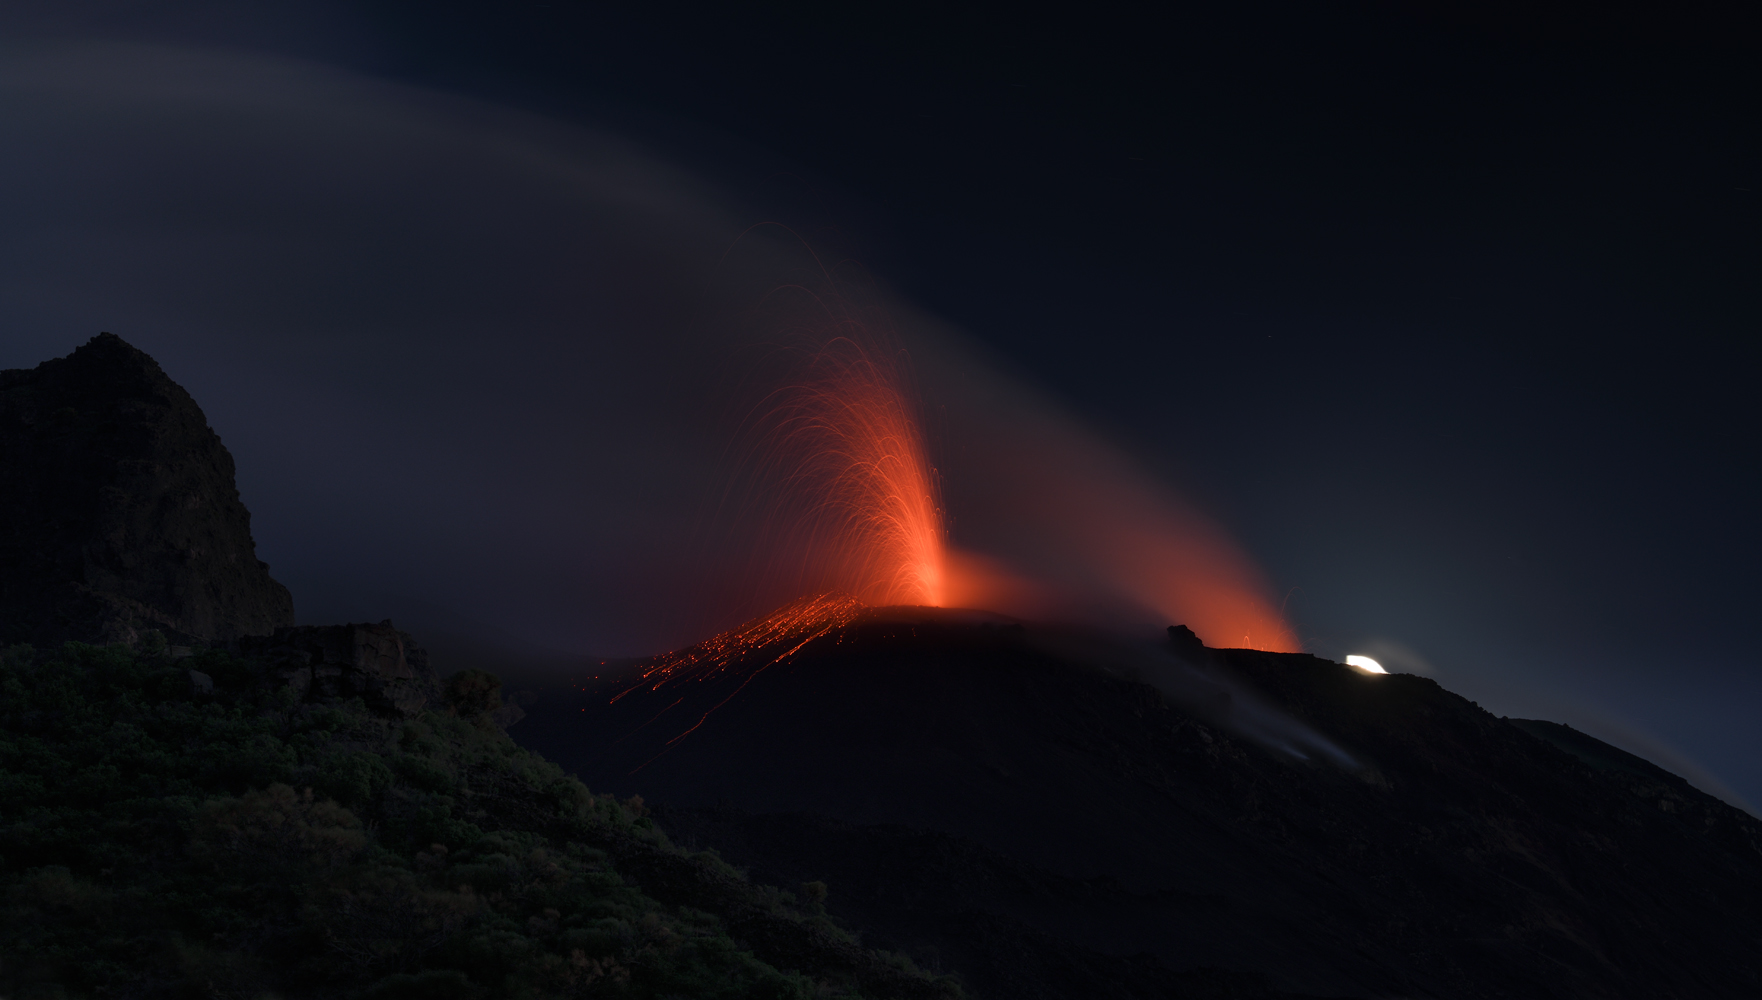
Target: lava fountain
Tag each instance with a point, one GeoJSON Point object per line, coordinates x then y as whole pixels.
{"type": "Point", "coordinates": [830, 488]}
{"type": "Point", "coordinates": [836, 463]}
{"type": "Point", "coordinates": [833, 470]}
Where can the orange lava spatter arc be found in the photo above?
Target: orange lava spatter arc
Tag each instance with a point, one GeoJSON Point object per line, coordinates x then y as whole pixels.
{"type": "Point", "coordinates": [851, 499]}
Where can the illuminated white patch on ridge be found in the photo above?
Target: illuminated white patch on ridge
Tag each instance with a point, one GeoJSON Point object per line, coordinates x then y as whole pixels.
{"type": "Point", "coordinates": [1365, 664]}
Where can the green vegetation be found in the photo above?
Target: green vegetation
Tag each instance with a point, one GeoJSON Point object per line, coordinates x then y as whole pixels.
{"type": "Point", "coordinates": [165, 833]}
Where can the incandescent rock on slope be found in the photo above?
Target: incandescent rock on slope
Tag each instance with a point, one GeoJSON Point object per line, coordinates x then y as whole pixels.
{"type": "Point", "coordinates": [118, 510]}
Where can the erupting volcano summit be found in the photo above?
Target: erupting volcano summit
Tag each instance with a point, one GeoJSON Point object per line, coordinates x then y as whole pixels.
{"type": "Point", "coordinates": [837, 463]}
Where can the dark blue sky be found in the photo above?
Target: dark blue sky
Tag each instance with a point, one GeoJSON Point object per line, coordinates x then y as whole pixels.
{"type": "Point", "coordinates": [1446, 313]}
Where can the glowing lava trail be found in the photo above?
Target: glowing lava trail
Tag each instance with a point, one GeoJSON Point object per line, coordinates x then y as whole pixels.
{"type": "Point", "coordinates": [742, 653]}
{"type": "Point", "coordinates": [850, 498]}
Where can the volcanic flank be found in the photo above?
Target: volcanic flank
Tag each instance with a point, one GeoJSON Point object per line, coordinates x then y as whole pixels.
{"type": "Point", "coordinates": [1059, 814]}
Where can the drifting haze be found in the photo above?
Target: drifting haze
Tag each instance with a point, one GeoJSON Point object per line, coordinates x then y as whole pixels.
{"type": "Point", "coordinates": [472, 359]}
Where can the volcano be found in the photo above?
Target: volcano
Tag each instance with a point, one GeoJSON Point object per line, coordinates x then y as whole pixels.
{"type": "Point", "coordinates": [1056, 812]}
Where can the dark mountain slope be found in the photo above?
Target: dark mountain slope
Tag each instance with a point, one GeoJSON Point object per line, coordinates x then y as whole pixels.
{"type": "Point", "coordinates": [118, 511]}
{"type": "Point", "coordinates": [1602, 756]}
{"type": "Point", "coordinates": [1456, 856]}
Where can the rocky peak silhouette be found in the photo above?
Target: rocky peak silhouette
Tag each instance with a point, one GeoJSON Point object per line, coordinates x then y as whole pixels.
{"type": "Point", "coordinates": [118, 510]}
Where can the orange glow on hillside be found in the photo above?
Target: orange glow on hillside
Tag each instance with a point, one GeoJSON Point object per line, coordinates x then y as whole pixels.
{"type": "Point", "coordinates": [789, 628]}
{"type": "Point", "coordinates": [1062, 523]}
{"type": "Point", "coordinates": [1211, 588]}
{"type": "Point", "coordinates": [746, 651]}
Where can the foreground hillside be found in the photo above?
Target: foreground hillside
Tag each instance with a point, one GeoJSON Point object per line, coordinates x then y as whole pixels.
{"type": "Point", "coordinates": [224, 826]}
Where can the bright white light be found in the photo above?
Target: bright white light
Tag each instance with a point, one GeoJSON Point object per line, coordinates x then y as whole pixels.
{"type": "Point", "coordinates": [1365, 664]}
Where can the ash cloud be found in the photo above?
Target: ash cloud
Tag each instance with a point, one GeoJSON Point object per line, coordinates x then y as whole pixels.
{"type": "Point", "coordinates": [445, 340]}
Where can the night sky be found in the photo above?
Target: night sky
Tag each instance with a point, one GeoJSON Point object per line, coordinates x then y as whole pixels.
{"type": "Point", "coordinates": [1444, 312]}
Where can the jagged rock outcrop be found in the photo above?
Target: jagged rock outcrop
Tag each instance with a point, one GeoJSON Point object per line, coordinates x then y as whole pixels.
{"type": "Point", "coordinates": [118, 509]}
{"type": "Point", "coordinates": [376, 663]}
{"type": "Point", "coordinates": [1185, 643]}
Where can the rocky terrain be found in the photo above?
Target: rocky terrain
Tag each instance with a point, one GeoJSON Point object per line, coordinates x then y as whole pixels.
{"type": "Point", "coordinates": [118, 510]}
{"type": "Point", "coordinates": [375, 663]}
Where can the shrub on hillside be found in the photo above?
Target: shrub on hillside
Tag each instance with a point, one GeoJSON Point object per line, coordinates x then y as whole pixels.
{"type": "Point", "coordinates": [184, 828]}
